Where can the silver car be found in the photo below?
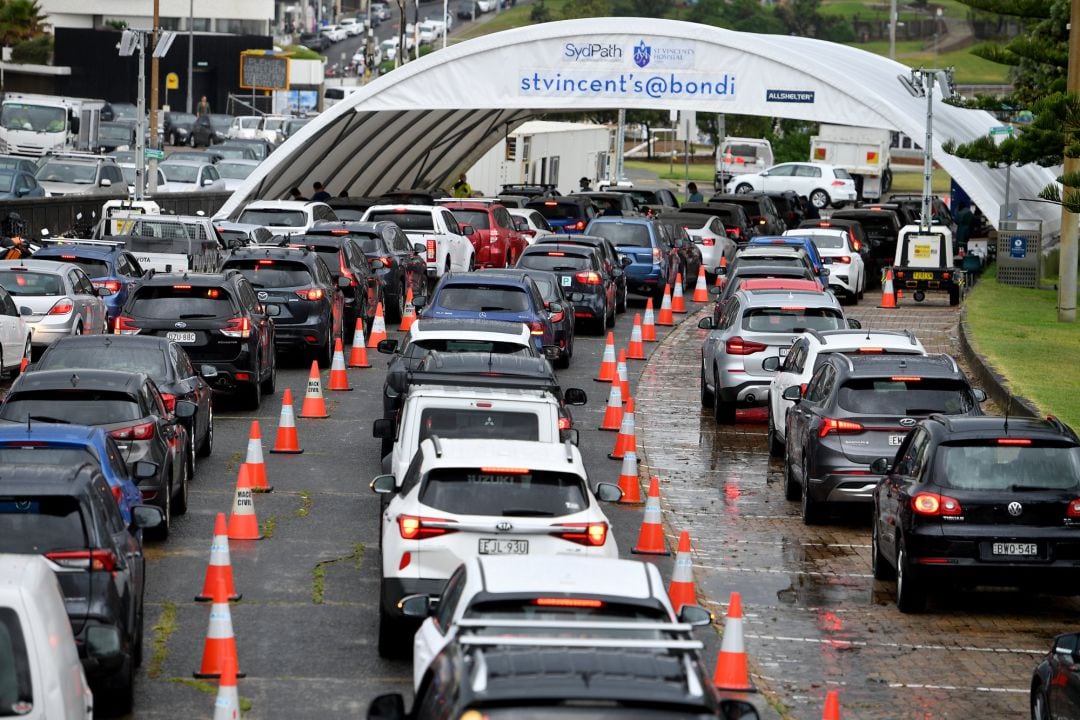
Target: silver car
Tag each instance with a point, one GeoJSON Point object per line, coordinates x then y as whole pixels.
{"type": "Point", "coordinates": [55, 299]}
{"type": "Point", "coordinates": [756, 323]}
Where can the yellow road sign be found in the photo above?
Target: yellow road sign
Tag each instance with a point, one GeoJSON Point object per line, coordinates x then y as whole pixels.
{"type": "Point", "coordinates": [172, 81]}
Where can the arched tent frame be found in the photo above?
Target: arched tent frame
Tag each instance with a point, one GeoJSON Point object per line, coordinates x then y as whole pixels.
{"type": "Point", "coordinates": [423, 123]}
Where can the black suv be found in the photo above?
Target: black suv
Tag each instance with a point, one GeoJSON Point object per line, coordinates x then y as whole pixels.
{"type": "Point", "coordinates": [759, 208]}
{"type": "Point", "coordinates": [882, 227]}
{"type": "Point", "coordinates": [309, 303]}
{"type": "Point", "coordinates": [737, 225]}
{"type": "Point", "coordinates": [129, 407]}
{"type": "Point", "coordinates": [344, 259]}
{"type": "Point", "coordinates": [979, 501]}
{"type": "Point", "coordinates": [217, 319]}
{"type": "Point", "coordinates": [614, 262]}
{"type": "Point", "coordinates": [856, 409]}
{"type": "Point", "coordinates": [69, 516]}
{"type": "Point", "coordinates": [582, 274]}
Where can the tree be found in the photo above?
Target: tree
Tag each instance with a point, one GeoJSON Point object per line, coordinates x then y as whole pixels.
{"type": "Point", "coordinates": [586, 9]}
{"type": "Point", "coordinates": [20, 20]}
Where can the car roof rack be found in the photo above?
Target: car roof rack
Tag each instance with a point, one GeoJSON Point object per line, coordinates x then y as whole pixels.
{"type": "Point", "coordinates": [512, 623]}
{"type": "Point", "coordinates": [519, 382]}
{"type": "Point", "coordinates": [61, 241]}
{"type": "Point", "coordinates": [584, 642]}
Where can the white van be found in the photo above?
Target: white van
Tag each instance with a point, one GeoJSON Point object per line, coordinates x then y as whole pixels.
{"type": "Point", "coordinates": [333, 94]}
{"type": "Point", "coordinates": [40, 672]}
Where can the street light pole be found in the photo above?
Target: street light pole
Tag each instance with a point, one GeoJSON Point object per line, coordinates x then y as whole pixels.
{"type": "Point", "coordinates": [140, 130]}
{"type": "Point", "coordinates": [1069, 230]}
{"type": "Point", "coordinates": [445, 20]}
{"type": "Point", "coordinates": [921, 84]}
{"type": "Point", "coordinates": [190, 51]}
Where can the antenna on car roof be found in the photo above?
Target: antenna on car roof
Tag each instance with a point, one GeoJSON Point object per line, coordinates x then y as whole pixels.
{"type": "Point", "coordinates": [1008, 406]}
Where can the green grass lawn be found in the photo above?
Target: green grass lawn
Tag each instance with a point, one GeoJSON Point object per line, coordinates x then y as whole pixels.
{"type": "Point", "coordinates": [1016, 329]}
{"type": "Point", "coordinates": [970, 69]}
{"type": "Point", "coordinates": [508, 19]}
{"type": "Point", "coordinates": [911, 182]}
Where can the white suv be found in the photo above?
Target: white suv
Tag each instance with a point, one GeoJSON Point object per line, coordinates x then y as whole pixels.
{"type": "Point", "coordinates": [801, 361]}
{"type": "Point", "coordinates": [286, 217]}
{"type": "Point", "coordinates": [463, 498]}
{"type": "Point", "coordinates": [822, 184]}
{"type": "Point", "coordinates": [840, 254]}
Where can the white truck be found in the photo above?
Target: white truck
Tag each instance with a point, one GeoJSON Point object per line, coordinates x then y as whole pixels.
{"type": "Point", "coordinates": [741, 156]}
{"type": "Point", "coordinates": [37, 125]}
{"type": "Point", "coordinates": [433, 231]}
{"type": "Point", "coordinates": [165, 243]}
{"type": "Point", "coordinates": [863, 152]}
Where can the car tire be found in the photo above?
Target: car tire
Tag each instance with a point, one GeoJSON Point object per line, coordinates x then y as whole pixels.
{"type": "Point", "coordinates": [879, 564]}
{"type": "Point", "coordinates": [120, 698]}
{"type": "Point", "coordinates": [744, 188]}
{"type": "Point", "coordinates": [910, 593]}
{"type": "Point", "coordinates": [609, 321]}
{"type": "Point", "coordinates": [1040, 703]}
{"type": "Point", "coordinates": [776, 448]}
{"type": "Point", "coordinates": [819, 199]}
{"type": "Point", "coordinates": [792, 489]}
{"type": "Point", "coordinates": [393, 636]}
{"type": "Point", "coordinates": [207, 445]}
{"type": "Point", "coordinates": [723, 412]}
{"type": "Point", "coordinates": [396, 310]}
{"type": "Point", "coordinates": [811, 508]}
{"type": "Point", "coordinates": [706, 394]}
{"type": "Point", "coordinates": [180, 504]}
{"type": "Point", "coordinates": [620, 301]}
{"type": "Point", "coordinates": [563, 360]}
{"type": "Point", "coordinates": [269, 385]}
{"type": "Point", "coordinates": [161, 532]}
{"type": "Point", "coordinates": [253, 394]}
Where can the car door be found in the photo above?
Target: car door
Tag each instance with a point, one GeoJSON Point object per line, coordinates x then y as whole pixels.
{"type": "Point", "coordinates": [459, 254]}
{"type": "Point", "coordinates": [12, 335]}
{"type": "Point", "coordinates": [172, 432]}
{"type": "Point", "coordinates": [788, 374]}
{"type": "Point", "coordinates": [433, 634]}
{"type": "Point", "coordinates": [257, 312]}
{"type": "Point", "coordinates": [801, 415]}
{"type": "Point", "coordinates": [130, 572]}
{"type": "Point", "coordinates": [807, 179]}
{"type": "Point", "coordinates": [895, 489]}
{"type": "Point", "coordinates": [98, 310]}
{"type": "Point", "coordinates": [194, 387]}
{"type": "Point", "coordinates": [778, 177]}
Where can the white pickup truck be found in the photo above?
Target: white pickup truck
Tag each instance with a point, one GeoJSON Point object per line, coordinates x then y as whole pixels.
{"type": "Point", "coordinates": [446, 244]}
{"type": "Point", "coordinates": [165, 243]}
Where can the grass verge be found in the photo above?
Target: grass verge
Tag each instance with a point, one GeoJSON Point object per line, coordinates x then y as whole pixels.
{"type": "Point", "coordinates": [163, 630]}
{"type": "Point", "coordinates": [911, 182]}
{"type": "Point", "coordinates": [699, 172]}
{"type": "Point", "coordinates": [1017, 331]}
{"type": "Point", "coordinates": [305, 504]}
{"type": "Point", "coordinates": [209, 689]}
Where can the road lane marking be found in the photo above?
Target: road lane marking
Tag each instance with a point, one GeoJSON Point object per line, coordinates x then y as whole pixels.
{"type": "Point", "coordinates": [893, 645]}
{"type": "Point", "coordinates": [782, 571]}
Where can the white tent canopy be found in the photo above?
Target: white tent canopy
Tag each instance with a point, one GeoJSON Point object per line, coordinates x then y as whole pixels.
{"type": "Point", "coordinates": [423, 123]}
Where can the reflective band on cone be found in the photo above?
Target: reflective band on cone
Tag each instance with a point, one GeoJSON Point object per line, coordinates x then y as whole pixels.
{"type": "Point", "coordinates": [678, 303]}
{"type": "Point", "coordinates": [665, 317]}
{"type": "Point", "coordinates": [220, 567]}
{"type": "Point", "coordinates": [701, 290]}
{"type": "Point", "coordinates": [358, 351]}
{"type": "Point", "coordinates": [378, 328]}
{"type": "Point", "coordinates": [626, 440]}
{"type": "Point", "coordinates": [339, 378]}
{"type": "Point", "coordinates": [648, 324]}
{"type": "Point", "coordinates": [408, 316]}
{"type": "Point", "coordinates": [227, 702]}
{"type": "Point", "coordinates": [681, 590]}
{"type": "Point", "coordinates": [287, 440]}
{"type": "Point", "coordinates": [254, 460]}
{"type": "Point", "coordinates": [220, 641]}
{"type": "Point", "coordinates": [623, 376]}
{"type": "Point", "coordinates": [636, 349]}
{"type": "Point", "coordinates": [314, 406]}
{"type": "Point", "coordinates": [613, 412]}
{"type": "Point", "coordinates": [651, 538]}
{"type": "Point", "coordinates": [607, 362]}
{"type": "Point", "coordinates": [243, 524]}
{"type": "Point", "coordinates": [628, 479]}
{"type": "Point", "coordinates": [732, 672]}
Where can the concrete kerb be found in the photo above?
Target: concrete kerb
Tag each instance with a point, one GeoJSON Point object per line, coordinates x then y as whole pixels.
{"type": "Point", "coordinates": [995, 385]}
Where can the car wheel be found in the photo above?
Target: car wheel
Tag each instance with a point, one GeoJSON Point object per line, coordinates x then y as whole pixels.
{"type": "Point", "coordinates": [819, 199]}
{"type": "Point", "coordinates": [706, 394]}
{"type": "Point", "coordinates": [120, 698]}
{"type": "Point", "coordinates": [396, 310]}
{"type": "Point", "coordinates": [269, 385]}
{"type": "Point", "coordinates": [180, 504]}
{"type": "Point", "coordinates": [253, 392]}
{"type": "Point", "coordinates": [172, 139]}
{"type": "Point", "coordinates": [207, 445]}
{"type": "Point", "coordinates": [811, 508]}
{"type": "Point", "coordinates": [394, 638]}
{"type": "Point", "coordinates": [776, 448]}
{"type": "Point", "coordinates": [77, 330]}
{"type": "Point", "coordinates": [743, 188]}
{"type": "Point", "coordinates": [910, 595]}
{"type": "Point", "coordinates": [792, 489]}
{"type": "Point", "coordinates": [879, 565]}
{"type": "Point", "coordinates": [1040, 703]}
{"type": "Point", "coordinates": [610, 321]}
{"type": "Point", "coordinates": [161, 532]}
{"type": "Point", "coordinates": [191, 140]}
{"type": "Point", "coordinates": [620, 300]}
{"type": "Point", "coordinates": [563, 360]}
{"type": "Point", "coordinates": [723, 412]}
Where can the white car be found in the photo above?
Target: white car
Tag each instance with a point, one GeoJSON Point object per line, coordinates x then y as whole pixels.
{"type": "Point", "coordinates": [286, 217]}
{"type": "Point", "coordinates": [190, 176]}
{"type": "Point", "coordinates": [840, 254]}
{"type": "Point", "coordinates": [352, 26]}
{"type": "Point", "coordinates": [709, 234]}
{"type": "Point", "coordinates": [336, 33]}
{"type": "Point", "coordinates": [530, 595]}
{"type": "Point", "coordinates": [380, 11]}
{"type": "Point", "coordinates": [246, 127]}
{"type": "Point", "coordinates": [14, 336]}
{"type": "Point", "coordinates": [128, 169]}
{"type": "Point", "coordinates": [234, 172]}
{"type": "Point", "coordinates": [802, 359]}
{"type": "Point", "coordinates": [485, 6]}
{"type": "Point", "coordinates": [462, 498]}
{"type": "Point", "coordinates": [273, 128]}
{"type": "Point", "coordinates": [822, 184]}
{"type": "Point", "coordinates": [534, 226]}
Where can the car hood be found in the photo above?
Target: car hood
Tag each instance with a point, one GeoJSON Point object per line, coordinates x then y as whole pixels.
{"type": "Point", "coordinates": [63, 188]}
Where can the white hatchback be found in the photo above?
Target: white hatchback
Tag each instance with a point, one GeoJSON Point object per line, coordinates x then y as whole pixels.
{"type": "Point", "coordinates": [464, 498]}
{"type": "Point", "coordinates": [840, 254]}
{"type": "Point", "coordinates": [822, 184]}
{"type": "Point", "coordinates": [530, 223]}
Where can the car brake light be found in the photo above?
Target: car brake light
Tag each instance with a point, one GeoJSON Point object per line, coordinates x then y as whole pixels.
{"type": "Point", "coordinates": [62, 307]}
{"type": "Point", "coordinates": [656, 255]}
{"type": "Point", "coordinates": [837, 183]}
{"type": "Point", "coordinates": [708, 242]}
{"type": "Point", "coordinates": [181, 287]}
{"type": "Point", "coordinates": [550, 203]}
{"type": "Point", "coordinates": [738, 346]}
{"type": "Point", "coordinates": [101, 560]}
{"type": "Point", "coordinates": [412, 527]}
{"type": "Point", "coordinates": [842, 259]}
{"type": "Point", "coordinates": [905, 378]}
{"type": "Point", "coordinates": [1013, 441]}
{"type": "Point", "coordinates": [143, 431]}
{"type": "Point", "coordinates": [170, 401]}
{"type": "Point", "coordinates": [564, 423]}
{"type": "Point", "coordinates": [736, 232]}
{"type": "Point", "coordinates": [931, 504]}
{"type": "Point", "coordinates": [1074, 509]}
{"type": "Point", "coordinates": [856, 245]}
{"type": "Point", "coordinates": [505, 470]}
{"type": "Point", "coordinates": [125, 326]}
{"type": "Point", "coordinates": [591, 534]}
{"type": "Point", "coordinates": [69, 257]}
{"type": "Point", "coordinates": [871, 350]}
{"type": "Point", "coordinates": [238, 327]}
{"type": "Point", "coordinates": [568, 602]}
{"type": "Point", "coordinates": [311, 294]}
{"type": "Point", "coordinates": [830, 425]}
{"type": "Point", "coordinates": [431, 250]}
{"type": "Point", "coordinates": [588, 277]}
{"type": "Point", "coordinates": [339, 232]}
{"type": "Point", "coordinates": [556, 254]}
{"type": "Point", "coordinates": [112, 285]}
{"type": "Point", "coordinates": [557, 317]}
{"type": "Point", "coordinates": [579, 225]}
{"type": "Point", "coordinates": [266, 262]}
{"type": "Point", "coordinates": [536, 327]}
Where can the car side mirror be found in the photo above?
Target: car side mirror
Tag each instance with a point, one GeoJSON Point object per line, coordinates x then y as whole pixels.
{"type": "Point", "coordinates": [415, 606]}
{"type": "Point", "coordinates": [144, 470]}
{"type": "Point", "coordinates": [554, 308]}
{"type": "Point", "coordinates": [384, 484]}
{"type": "Point", "coordinates": [208, 371]}
{"type": "Point", "coordinates": [387, 347]}
{"type": "Point", "coordinates": [419, 301]}
{"type": "Point", "coordinates": [271, 310]}
{"type": "Point", "coordinates": [145, 517]}
{"type": "Point", "coordinates": [793, 393]}
{"type": "Point", "coordinates": [695, 616]}
{"type": "Point", "coordinates": [102, 292]}
{"type": "Point", "coordinates": [344, 283]}
{"type": "Point", "coordinates": [387, 707]}
{"type": "Point", "coordinates": [105, 182]}
{"type": "Point", "coordinates": [771, 363]}
{"type": "Point", "coordinates": [739, 709]}
{"type": "Point", "coordinates": [207, 182]}
{"type": "Point", "coordinates": [575, 396]}
{"type": "Point", "coordinates": [607, 492]}
{"type": "Point", "coordinates": [854, 324]}
{"type": "Point", "coordinates": [980, 395]}
{"type": "Point", "coordinates": [705, 323]}
{"type": "Point", "coordinates": [468, 230]}
{"type": "Point", "coordinates": [721, 270]}
{"type": "Point", "coordinates": [383, 428]}
{"type": "Point", "coordinates": [419, 247]}
{"type": "Point", "coordinates": [185, 409]}
{"type": "Point", "coordinates": [880, 466]}
{"type": "Point", "coordinates": [625, 261]}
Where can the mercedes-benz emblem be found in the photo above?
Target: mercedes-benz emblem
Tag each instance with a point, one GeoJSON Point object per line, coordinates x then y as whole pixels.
{"type": "Point", "coordinates": [504, 526]}
{"type": "Point", "coordinates": [263, 295]}
{"type": "Point", "coordinates": [1015, 509]}
{"type": "Point", "coordinates": [181, 325]}
{"type": "Point", "coordinates": [908, 422]}
{"type": "Point", "coordinates": [481, 314]}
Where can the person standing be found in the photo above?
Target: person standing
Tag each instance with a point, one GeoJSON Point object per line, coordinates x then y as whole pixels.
{"type": "Point", "coordinates": [203, 108]}
{"type": "Point", "coordinates": [694, 196]}
{"type": "Point", "coordinates": [585, 185]}
{"type": "Point", "coordinates": [320, 194]}
{"type": "Point", "coordinates": [462, 189]}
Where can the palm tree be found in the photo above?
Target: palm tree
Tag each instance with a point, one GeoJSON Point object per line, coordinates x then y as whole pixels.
{"type": "Point", "coordinates": [20, 20]}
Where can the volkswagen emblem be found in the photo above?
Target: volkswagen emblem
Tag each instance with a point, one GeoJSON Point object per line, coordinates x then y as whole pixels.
{"type": "Point", "coordinates": [1015, 509]}
{"type": "Point", "coordinates": [181, 325]}
{"type": "Point", "coordinates": [504, 526]}
{"type": "Point", "coordinates": [907, 422]}
{"type": "Point", "coordinates": [263, 295]}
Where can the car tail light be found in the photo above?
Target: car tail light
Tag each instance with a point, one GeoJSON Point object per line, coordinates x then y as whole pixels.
{"type": "Point", "coordinates": [536, 327]}
{"type": "Point", "coordinates": [142, 431]}
{"type": "Point", "coordinates": [738, 346]}
{"type": "Point", "coordinates": [564, 423]}
{"type": "Point", "coordinates": [905, 378]}
{"type": "Point", "coordinates": [842, 259]}
{"type": "Point", "coordinates": [125, 326]}
{"type": "Point", "coordinates": [588, 277]}
{"type": "Point", "coordinates": [265, 262]}
{"type": "Point", "coordinates": [579, 225]}
{"type": "Point", "coordinates": [170, 401]}
{"type": "Point", "coordinates": [734, 232]}
{"type": "Point", "coordinates": [856, 245]}
{"type": "Point", "coordinates": [412, 527]}
{"type": "Point", "coordinates": [708, 242]}
{"type": "Point", "coordinates": [431, 250]}
{"type": "Point", "coordinates": [871, 350]}
{"type": "Point", "coordinates": [386, 260]}
{"type": "Point", "coordinates": [118, 493]}
{"type": "Point", "coordinates": [238, 327]}
{"type": "Point", "coordinates": [568, 602]}
{"type": "Point", "coordinates": [346, 272]}
{"type": "Point", "coordinates": [837, 183]}
{"type": "Point", "coordinates": [311, 294]}
{"type": "Point", "coordinates": [591, 534]}
{"type": "Point", "coordinates": [1013, 441]}
{"type": "Point", "coordinates": [62, 307]}
{"type": "Point", "coordinates": [656, 255]}
{"type": "Point", "coordinates": [831, 425]}
{"type": "Point", "coordinates": [931, 504]}
{"type": "Point", "coordinates": [1074, 509]}
{"type": "Point", "coordinates": [112, 285]}
{"type": "Point", "coordinates": [103, 560]}
{"type": "Point", "coordinates": [557, 317]}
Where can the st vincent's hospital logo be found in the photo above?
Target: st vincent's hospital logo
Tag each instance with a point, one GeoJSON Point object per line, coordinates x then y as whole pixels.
{"type": "Point", "coordinates": [642, 54]}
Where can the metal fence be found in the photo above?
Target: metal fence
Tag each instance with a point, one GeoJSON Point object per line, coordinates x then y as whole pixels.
{"type": "Point", "coordinates": [1019, 252]}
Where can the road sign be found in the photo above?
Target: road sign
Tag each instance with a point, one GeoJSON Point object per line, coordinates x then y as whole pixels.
{"type": "Point", "coordinates": [1017, 247]}
{"type": "Point", "coordinates": [156, 154]}
{"type": "Point", "coordinates": [263, 72]}
{"type": "Point", "coordinates": [172, 81]}
{"type": "Point", "coordinates": [1001, 130]}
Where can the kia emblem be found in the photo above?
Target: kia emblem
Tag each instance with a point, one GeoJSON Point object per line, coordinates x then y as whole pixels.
{"type": "Point", "coordinates": [181, 325]}
{"type": "Point", "coordinates": [908, 422]}
{"type": "Point", "coordinates": [504, 526]}
{"type": "Point", "coordinates": [1015, 509]}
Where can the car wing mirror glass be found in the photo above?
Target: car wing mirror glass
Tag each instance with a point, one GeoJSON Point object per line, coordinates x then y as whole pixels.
{"type": "Point", "coordinates": [384, 484]}
{"type": "Point", "coordinates": [144, 469]}
{"type": "Point", "coordinates": [575, 396]}
{"type": "Point", "coordinates": [880, 466]}
{"type": "Point", "coordinates": [383, 428]}
{"type": "Point", "coordinates": [854, 324]}
{"type": "Point", "coordinates": [770, 363]}
{"type": "Point", "coordinates": [695, 615]}
{"type": "Point", "coordinates": [415, 606]}
{"type": "Point", "coordinates": [388, 346]}
{"type": "Point", "coordinates": [705, 323]}
{"type": "Point", "coordinates": [608, 492]}
{"type": "Point", "coordinates": [185, 409]}
{"type": "Point", "coordinates": [793, 393]}
{"type": "Point", "coordinates": [146, 516]}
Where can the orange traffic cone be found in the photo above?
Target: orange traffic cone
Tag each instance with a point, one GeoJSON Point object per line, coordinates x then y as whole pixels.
{"type": "Point", "coordinates": [314, 405]}
{"type": "Point", "coordinates": [832, 706]}
{"type": "Point", "coordinates": [408, 317]}
{"type": "Point", "coordinates": [378, 328]}
{"type": "Point", "coordinates": [243, 525]}
{"type": "Point", "coordinates": [681, 590]}
{"type": "Point", "coordinates": [636, 349]}
{"type": "Point", "coordinates": [358, 351]}
{"type": "Point", "coordinates": [665, 317]}
{"type": "Point", "coordinates": [227, 702]}
{"type": "Point", "coordinates": [628, 479]}
{"type": "Point", "coordinates": [723, 273]}
{"type": "Point", "coordinates": [732, 672]}
{"type": "Point", "coordinates": [648, 326]}
{"type": "Point", "coordinates": [614, 412]}
{"type": "Point", "coordinates": [627, 438]}
{"type": "Point", "coordinates": [607, 362]}
{"type": "Point", "coordinates": [339, 378]}
{"type": "Point", "coordinates": [678, 303]}
{"type": "Point", "coordinates": [888, 295]}
{"type": "Point", "coordinates": [220, 566]}
{"type": "Point", "coordinates": [623, 376]}
{"type": "Point", "coordinates": [651, 538]}
{"type": "Point", "coordinates": [287, 440]}
{"type": "Point", "coordinates": [254, 460]}
{"type": "Point", "coordinates": [701, 290]}
{"type": "Point", "coordinates": [220, 641]}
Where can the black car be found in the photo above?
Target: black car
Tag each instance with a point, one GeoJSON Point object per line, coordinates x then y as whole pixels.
{"type": "Point", "coordinates": [1055, 684]}
{"type": "Point", "coordinates": [611, 203]}
{"type": "Point", "coordinates": [939, 211]}
{"type": "Point", "coordinates": [69, 516]}
{"type": "Point", "coordinates": [614, 262]}
{"type": "Point", "coordinates": [566, 213]}
{"type": "Point", "coordinates": [882, 228]}
{"type": "Point", "coordinates": [855, 409]}
{"type": "Point", "coordinates": [351, 209]}
{"type": "Point", "coordinates": [582, 272]}
{"type": "Point", "coordinates": [789, 206]}
{"type": "Point", "coordinates": [260, 147]}
{"type": "Point", "coordinates": [687, 250]}
{"type": "Point", "coordinates": [345, 259]}
{"type": "Point", "coordinates": [412, 196]}
{"type": "Point", "coordinates": [759, 207]}
{"type": "Point", "coordinates": [650, 202]}
{"type": "Point", "coordinates": [210, 130]}
{"type": "Point", "coordinates": [556, 302]}
{"type": "Point", "coordinates": [309, 303]}
{"type": "Point", "coordinates": [975, 501]}
{"type": "Point", "coordinates": [115, 135]}
{"type": "Point", "coordinates": [315, 41]}
{"type": "Point", "coordinates": [531, 190]}
{"type": "Point", "coordinates": [736, 222]}
{"type": "Point", "coordinates": [217, 319]}
{"type": "Point", "coordinates": [130, 408]}
{"type": "Point", "coordinates": [164, 360]}
{"type": "Point", "coordinates": [178, 126]}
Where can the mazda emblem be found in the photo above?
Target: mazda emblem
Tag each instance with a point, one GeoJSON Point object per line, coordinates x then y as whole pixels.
{"type": "Point", "coordinates": [504, 526]}
{"type": "Point", "coordinates": [263, 295]}
{"type": "Point", "coordinates": [908, 422]}
{"type": "Point", "coordinates": [181, 325]}
{"type": "Point", "coordinates": [1015, 509]}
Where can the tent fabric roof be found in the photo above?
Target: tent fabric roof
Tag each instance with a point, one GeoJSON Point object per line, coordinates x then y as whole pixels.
{"type": "Point", "coordinates": [434, 117]}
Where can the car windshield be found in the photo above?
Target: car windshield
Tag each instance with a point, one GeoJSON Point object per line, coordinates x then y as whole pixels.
{"type": "Point", "coordinates": [221, 123]}
{"type": "Point", "coordinates": [273, 217]}
{"type": "Point", "coordinates": [479, 219]}
{"type": "Point", "coordinates": [559, 211]}
{"type": "Point", "coordinates": [111, 131]}
{"type": "Point", "coordinates": [792, 319]}
{"type": "Point", "coordinates": [904, 396]}
{"type": "Point", "coordinates": [66, 455]}
{"type": "Point", "coordinates": [471, 423]}
{"type": "Point", "coordinates": [67, 172]}
{"type": "Point", "coordinates": [93, 267]}
{"type": "Point", "coordinates": [37, 525]}
{"type": "Point", "coordinates": [39, 118]}
{"type": "Point", "coordinates": [234, 170]}
{"type": "Point", "coordinates": [420, 348]}
{"type": "Point", "coordinates": [16, 686]}
{"type": "Point", "coordinates": [232, 153]}
{"type": "Point", "coordinates": [264, 273]}
{"type": "Point", "coordinates": [499, 298]}
{"type": "Point", "coordinates": [986, 465]}
{"type": "Point", "coordinates": [503, 492]}
{"type": "Point", "coordinates": [18, 282]}
{"type": "Point", "coordinates": [554, 261]}
{"type": "Point", "coordinates": [404, 219]}
{"type": "Point", "coordinates": [273, 123]}
{"type": "Point", "coordinates": [177, 302]}
{"type": "Point", "coordinates": [179, 173]}
{"type": "Point", "coordinates": [624, 234]}
{"type": "Point", "coordinates": [75, 405]}
{"type": "Point", "coordinates": [127, 357]}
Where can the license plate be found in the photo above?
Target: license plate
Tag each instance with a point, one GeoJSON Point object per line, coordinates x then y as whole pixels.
{"type": "Point", "coordinates": [922, 276]}
{"type": "Point", "coordinates": [567, 280]}
{"type": "Point", "coordinates": [895, 440]}
{"type": "Point", "coordinates": [1008, 548]}
{"type": "Point", "coordinates": [504, 547]}
{"type": "Point", "coordinates": [181, 337]}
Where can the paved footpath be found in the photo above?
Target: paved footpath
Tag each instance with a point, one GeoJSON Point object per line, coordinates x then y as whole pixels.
{"type": "Point", "coordinates": [815, 618]}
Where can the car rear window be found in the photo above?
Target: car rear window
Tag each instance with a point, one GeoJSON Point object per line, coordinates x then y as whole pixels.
{"type": "Point", "coordinates": [231, 236]}
{"type": "Point", "coordinates": [623, 234]}
{"type": "Point", "coordinates": [504, 492]}
{"type": "Point", "coordinates": [526, 608]}
{"type": "Point", "coordinates": [841, 173]}
{"type": "Point", "coordinates": [404, 219]}
{"type": "Point", "coordinates": [127, 357]}
{"type": "Point", "coordinates": [264, 273]}
{"type": "Point", "coordinates": [792, 319]}
{"type": "Point", "coordinates": [986, 465]}
{"type": "Point", "coordinates": [829, 241]}
{"type": "Point", "coordinates": [555, 261]}
{"type": "Point", "coordinates": [177, 302]}
{"type": "Point", "coordinates": [479, 219]}
{"type": "Point", "coordinates": [878, 228]}
{"type": "Point", "coordinates": [68, 456]}
{"type": "Point", "coordinates": [71, 405]}
{"type": "Point", "coordinates": [18, 282]}
{"type": "Point", "coordinates": [40, 524]}
{"type": "Point", "coordinates": [483, 298]}
{"type": "Point", "coordinates": [331, 254]}
{"type": "Point", "coordinates": [421, 347]}
{"type": "Point", "coordinates": [91, 266]}
{"type": "Point", "coordinates": [904, 396]}
{"type": "Point", "coordinates": [271, 217]}
{"type": "Point", "coordinates": [559, 211]}
{"type": "Point", "coordinates": [16, 689]}
{"type": "Point", "coordinates": [476, 423]}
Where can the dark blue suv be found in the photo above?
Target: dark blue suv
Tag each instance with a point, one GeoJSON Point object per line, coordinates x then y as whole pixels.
{"type": "Point", "coordinates": [107, 265]}
{"type": "Point", "coordinates": [643, 240]}
{"type": "Point", "coordinates": [568, 214]}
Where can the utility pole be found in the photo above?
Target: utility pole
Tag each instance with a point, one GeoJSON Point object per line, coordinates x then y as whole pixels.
{"type": "Point", "coordinates": [892, 29]}
{"type": "Point", "coordinates": [1069, 227]}
{"type": "Point", "coordinates": [154, 65]}
{"type": "Point", "coordinates": [191, 51]}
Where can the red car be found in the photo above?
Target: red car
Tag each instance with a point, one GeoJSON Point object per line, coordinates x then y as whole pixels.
{"type": "Point", "coordinates": [497, 242]}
